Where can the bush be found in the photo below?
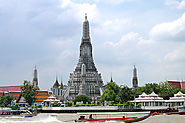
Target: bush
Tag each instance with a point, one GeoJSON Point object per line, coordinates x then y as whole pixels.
{"type": "Point", "coordinates": [120, 104]}
{"type": "Point", "coordinates": [38, 106]}
{"type": "Point", "coordinates": [128, 103]}
{"type": "Point", "coordinates": [139, 105]}
{"type": "Point", "coordinates": [82, 98]}
{"type": "Point", "coordinates": [55, 104]}
{"type": "Point", "coordinates": [68, 104]}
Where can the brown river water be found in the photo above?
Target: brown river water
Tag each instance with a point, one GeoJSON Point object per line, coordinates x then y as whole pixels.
{"type": "Point", "coordinates": [70, 117]}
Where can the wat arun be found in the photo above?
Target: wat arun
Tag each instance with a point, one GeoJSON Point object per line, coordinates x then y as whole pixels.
{"type": "Point", "coordinates": [85, 79]}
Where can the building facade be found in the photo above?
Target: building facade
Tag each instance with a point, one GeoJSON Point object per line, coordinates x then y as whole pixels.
{"type": "Point", "coordinates": [177, 84]}
{"type": "Point", "coordinates": [153, 100]}
{"type": "Point", "coordinates": [85, 79]}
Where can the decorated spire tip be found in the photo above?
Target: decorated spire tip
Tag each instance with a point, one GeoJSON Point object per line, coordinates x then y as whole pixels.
{"type": "Point", "coordinates": [85, 16]}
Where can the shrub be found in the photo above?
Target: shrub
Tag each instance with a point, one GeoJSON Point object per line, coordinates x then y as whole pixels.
{"type": "Point", "coordinates": [128, 103]}
{"type": "Point", "coordinates": [68, 104]}
{"type": "Point", "coordinates": [38, 106]}
{"type": "Point", "coordinates": [139, 105]}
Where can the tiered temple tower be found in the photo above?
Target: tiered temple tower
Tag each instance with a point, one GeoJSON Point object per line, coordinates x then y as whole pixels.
{"type": "Point", "coordinates": [35, 78]}
{"type": "Point", "coordinates": [134, 79]}
{"type": "Point", "coordinates": [85, 79]}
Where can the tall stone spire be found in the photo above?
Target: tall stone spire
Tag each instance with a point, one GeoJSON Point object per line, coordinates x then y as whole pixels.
{"type": "Point", "coordinates": [86, 56]}
{"type": "Point", "coordinates": [134, 79]}
{"type": "Point", "coordinates": [85, 29]}
{"type": "Point", "coordinates": [35, 78]}
{"type": "Point", "coordinates": [85, 79]}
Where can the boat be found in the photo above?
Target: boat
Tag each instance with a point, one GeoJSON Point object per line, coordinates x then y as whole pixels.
{"type": "Point", "coordinates": [26, 113]}
{"type": "Point", "coordinates": [181, 111]}
{"type": "Point", "coordinates": [140, 118]}
{"type": "Point", "coordinates": [111, 116]}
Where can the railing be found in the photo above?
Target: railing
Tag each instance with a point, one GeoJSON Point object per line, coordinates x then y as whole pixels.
{"type": "Point", "coordinates": [129, 107]}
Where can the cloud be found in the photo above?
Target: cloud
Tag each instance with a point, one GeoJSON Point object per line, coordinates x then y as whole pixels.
{"type": "Point", "coordinates": [108, 29]}
{"type": "Point", "coordinates": [169, 31]}
{"type": "Point", "coordinates": [176, 3]}
{"type": "Point", "coordinates": [117, 1]}
{"type": "Point", "coordinates": [79, 9]}
{"type": "Point", "coordinates": [130, 38]}
{"type": "Point", "coordinates": [178, 54]}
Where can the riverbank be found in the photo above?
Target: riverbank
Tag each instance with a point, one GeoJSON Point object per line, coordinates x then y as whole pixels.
{"type": "Point", "coordinates": [70, 117]}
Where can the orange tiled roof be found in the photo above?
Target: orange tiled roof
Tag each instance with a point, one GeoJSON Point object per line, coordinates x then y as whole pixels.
{"type": "Point", "coordinates": [10, 88]}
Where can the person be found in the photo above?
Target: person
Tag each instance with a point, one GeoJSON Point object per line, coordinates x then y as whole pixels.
{"type": "Point", "coordinates": [90, 116]}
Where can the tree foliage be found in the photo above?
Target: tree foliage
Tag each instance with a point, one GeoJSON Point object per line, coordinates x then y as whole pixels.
{"type": "Point", "coordinates": [123, 94]}
{"type": "Point", "coordinates": [28, 92]}
{"type": "Point", "coordinates": [126, 94]}
{"type": "Point", "coordinates": [83, 98]}
{"type": "Point", "coordinates": [167, 91]}
{"type": "Point", "coordinates": [111, 92]}
{"type": "Point", "coordinates": [6, 100]}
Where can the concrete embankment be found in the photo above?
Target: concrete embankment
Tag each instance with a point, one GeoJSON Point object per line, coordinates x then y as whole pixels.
{"type": "Point", "coordinates": [83, 109]}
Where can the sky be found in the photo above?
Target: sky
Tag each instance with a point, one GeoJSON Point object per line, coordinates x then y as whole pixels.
{"type": "Point", "coordinates": [47, 33]}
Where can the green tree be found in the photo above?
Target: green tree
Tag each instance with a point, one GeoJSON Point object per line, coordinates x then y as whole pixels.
{"type": "Point", "coordinates": [111, 92]}
{"type": "Point", "coordinates": [28, 92]}
{"type": "Point", "coordinates": [148, 89]}
{"type": "Point", "coordinates": [113, 86]}
{"type": "Point", "coordinates": [151, 87]}
{"type": "Point", "coordinates": [167, 91]}
{"type": "Point", "coordinates": [126, 94]}
{"type": "Point", "coordinates": [6, 100]}
{"type": "Point", "coordinates": [83, 98]}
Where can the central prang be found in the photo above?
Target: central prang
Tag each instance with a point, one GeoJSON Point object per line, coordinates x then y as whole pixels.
{"type": "Point", "coordinates": [85, 79]}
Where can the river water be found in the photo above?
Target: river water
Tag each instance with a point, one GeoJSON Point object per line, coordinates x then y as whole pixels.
{"type": "Point", "coordinates": [70, 117]}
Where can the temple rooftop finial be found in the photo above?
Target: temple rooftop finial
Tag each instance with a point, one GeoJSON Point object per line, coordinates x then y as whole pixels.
{"type": "Point", "coordinates": [111, 80]}
{"type": "Point", "coordinates": [85, 16]}
{"type": "Point", "coordinates": [56, 78]}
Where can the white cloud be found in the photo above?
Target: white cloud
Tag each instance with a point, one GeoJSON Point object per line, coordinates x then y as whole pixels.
{"type": "Point", "coordinates": [178, 54]}
{"type": "Point", "coordinates": [176, 3]}
{"type": "Point", "coordinates": [79, 9]}
{"type": "Point", "coordinates": [111, 27]}
{"type": "Point", "coordinates": [130, 38]}
{"type": "Point", "coordinates": [60, 42]}
{"type": "Point", "coordinates": [170, 31]}
{"type": "Point", "coordinates": [116, 1]}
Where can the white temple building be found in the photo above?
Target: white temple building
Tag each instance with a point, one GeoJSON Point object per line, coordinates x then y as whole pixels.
{"type": "Point", "coordinates": [50, 100]}
{"type": "Point", "coordinates": [149, 100]}
{"type": "Point", "coordinates": [177, 100]}
{"type": "Point", "coordinates": [153, 100]}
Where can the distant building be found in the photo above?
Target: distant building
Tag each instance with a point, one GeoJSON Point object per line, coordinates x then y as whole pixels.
{"type": "Point", "coordinates": [85, 79]}
{"type": "Point", "coordinates": [134, 79]}
{"type": "Point", "coordinates": [40, 97]}
{"type": "Point", "coordinates": [58, 90]}
{"type": "Point", "coordinates": [149, 100]}
{"type": "Point", "coordinates": [177, 100]}
{"type": "Point", "coordinates": [153, 100]}
{"type": "Point", "coordinates": [50, 100]}
{"type": "Point", "coordinates": [35, 78]}
{"type": "Point", "coordinates": [177, 84]}
{"type": "Point", "coordinates": [15, 91]}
